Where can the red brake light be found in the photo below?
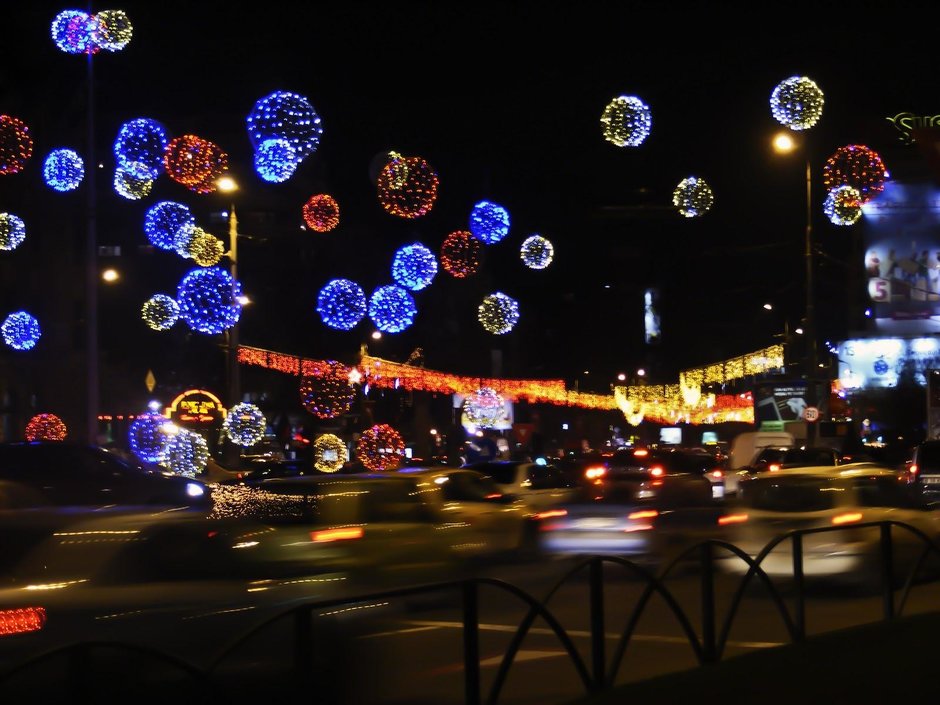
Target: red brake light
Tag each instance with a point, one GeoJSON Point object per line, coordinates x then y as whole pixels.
{"type": "Point", "coordinates": [774, 467]}
{"type": "Point", "coordinates": [349, 532]}
{"type": "Point", "coordinates": [657, 471]}
{"type": "Point", "coordinates": [595, 472]}
{"type": "Point", "coordinates": [716, 474]}
{"type": "Point", "coordinates": [640, 453]}
{"type": "Point", "coordinates": [644, 514]}
{"type": "Point", "coordinates": [847, 518]}
{"type": "Point", "coordinates": [914, 469]}
{"type": "Point", "coordinates": [732, 519]}
{"type": "Point", "coordinates": [552, 513]}
{"type": "Point", "coordinates": [22, 621]}
{"type": "Point", "coordinates": [494, 495]}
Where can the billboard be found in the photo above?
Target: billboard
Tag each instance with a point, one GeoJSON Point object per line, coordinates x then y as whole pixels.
{"type": "Point", "coordinates": [779, 402]}
{"type": "Point", "coordinates": [878, 363]}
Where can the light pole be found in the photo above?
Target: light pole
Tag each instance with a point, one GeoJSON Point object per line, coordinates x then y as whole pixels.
{"type": "Point", "coordinates": [228, 185]}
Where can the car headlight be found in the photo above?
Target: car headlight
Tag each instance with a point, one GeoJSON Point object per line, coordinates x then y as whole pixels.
{"type": "Point", "coordinates": [194, 490]}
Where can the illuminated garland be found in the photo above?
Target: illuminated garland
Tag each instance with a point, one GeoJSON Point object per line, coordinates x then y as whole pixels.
{"type": "Point", "coordinates": [275, 160]}
{"type": "Point", "coordinates": [392, 309]}
{"type": "Point", "coordinates": [321, 213]}
{"type": "Point", "coordinates": [131, 187]}
{"type": "Point", "coordinates": [414, 266]}
{"type": "Point", "coordinates": [12, 231]}
{"type": "Point", "coordinates": [244, 424]}
{"type": "Point", "coordinates": [489, 222]}
{"type": "Point", "coordinates": [186, 453]}
{"type": "Point", "coordinates": [380, 448]}
{"type": "Point", "coordinates": [536, 252]}
{"type": "Point", "coordinates": [341, 304]}
{"type": "Point", "coordinates": [626, 121]}
{"type": "Point", "coordinates": [857, 166]}
{"type": "Point", "coordinates": [843, 206]}
{"type": "Point", "coordinates": [287, 116]}
{"type": "Point", "coordinates": [46, 427]}
{"type": "Point", "coordinates": [797, 102]}
{"type": "Point", "coordinates": [20, 331]}
{"type": "Point", "coordinates": [498, 313]}
{"type": "Point", "coordinates": [325, 391]}
{"type": "Point", "coordinates": [194, 162]}
{"type": "Point", "coordinates": [484, 408]}
{"type": "Point", "coordinates": [160, 312]}
{"type": "Point", "coordinates": [693, 197]}
{"type": "Point", "coordinates": [16, 146]}
{"type": "Point", "coordinates": [329, 453]}
{"type": "Point", "coordinates": [208, 300]}
{"type": "Point", "coordinates": [413, 198]}
{"type": "Point", "coordinates": [63, 170]}
{"type": "Point", "coordinates": [149, 437]}
{"type": "Point", "coordinates": [139, 148]}
{"type": "Point", "coordinates": [664, 404]}
{"type": "Point", "coordinates": [461, 254]}
{"type": "Point", "coordinates": [164, 220]}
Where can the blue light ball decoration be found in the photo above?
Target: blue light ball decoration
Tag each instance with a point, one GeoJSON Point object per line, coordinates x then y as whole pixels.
{"type": "Point", "coordinates": [73, 31]}
{"type": "Point", "coordinates": [244, 424]}
{"type": "Point", "coordinates": [160, 312]}
{"type": "Point", "coordinates": [537, 252]}
{"type": "Point", "coordinates": [208, 300]}
{"type": "Point", "coordinates": [392, 309]}
{"type": "Point", "coordinates": [843, 205]}
{"type": "Point", "coordinates": [12, 231]}
{"type": "Point", "coordinates": [164, 220]}
{"type": "Point", "coordinates": [286, 116]}
{"type": "Point", "coordinates": [498, 313]}
{"type": "Point", "coordinates": [489, 222]}
{"type": "Point", "coordinates": [275, 160]}
{"type": "Point", "coordinates": [797, 102]}
{"type": "Point", "coordinates": [186, 453]}
{"type": "Point", "coordinates": [20, 331]}
{"type": "Point", "coordinates": [139, 148]}
{"type": "Point", "coordinates": [341, 304]}
{"type": "Point", "coordinates": [148, 437]}
{"type": "Point", "coordinates": [414, 266]}
{"type": "Point", "coordinates": [63, 170]}
{"type": "Point", "coordinates": [626, 121]}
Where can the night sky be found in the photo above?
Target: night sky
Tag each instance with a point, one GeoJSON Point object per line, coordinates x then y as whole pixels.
{"type": "Point", "coordinates": [504, 101]}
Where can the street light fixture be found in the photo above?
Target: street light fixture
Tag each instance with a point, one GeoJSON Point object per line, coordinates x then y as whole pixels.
{"type": "Point", "coordinates": [227, 184]}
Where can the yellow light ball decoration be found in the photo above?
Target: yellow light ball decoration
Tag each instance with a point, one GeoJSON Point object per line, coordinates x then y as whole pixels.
{"type": "Point", "coordinates": [16, 146]}
{"type": "Point", "coordinates": [160, 312]}
{"type": "Point", "coordinates": [131, 187]}
{"type": "Point", "coordinates": [205, 249]}
{"type": "Point", "coordinates": [321, 213]}
{"type": "Point", "coordinates": [498, 313]}
{"type": "Point", "coordinates": [857, 166]}
{"type": "Point", "coordinates": [693, 197]}
{"type": "Point", "coordinates": [484, 408]}
{"type": "Point", "coordinates": [626, 121]}
{"type": "Point", "coordinates": [46, 427]}
{"type": "Point", "coordinates": [412, 196]}
{"type": "Point", "coordinates": [113, 30]}
{"type": "Point", "coordinates": [843, 206]}
{"type": "Point", "coordinates": [461, 254]}
{"type": "Point", "coordinates": [329, 453]}
{"type": "Point", "coordinates": [797, 103]}
{"type": "Point", "coordinates": [380, 448]}
{"type": "Point", "coordinates": [327, 392]}
{"type": "Point", "coordinates": [195, 162]}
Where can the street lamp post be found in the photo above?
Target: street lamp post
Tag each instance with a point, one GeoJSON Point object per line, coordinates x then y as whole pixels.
{"type": "Point", "coordinates": [233, 392]}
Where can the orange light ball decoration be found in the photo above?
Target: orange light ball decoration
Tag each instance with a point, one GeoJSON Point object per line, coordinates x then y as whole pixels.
{"type": "Point", "coordinates": [16, 146]}
{"type": "Point", "coordinates": [857, 166]}
{"type": "Point", "coordinates": [380, 448]}
{"type": "Point", "coordinates": [195, 162]}
{"type": "Point", "coordinates": [321, 213]}
{"type": "Point", "coordinates": [461, 254]}
{"type": "Point", "coordinates": [407, 187]}
{"type": "Point", "coordinates": [326, 392]}
{"type": "Point", "coordinates": [46, 427]}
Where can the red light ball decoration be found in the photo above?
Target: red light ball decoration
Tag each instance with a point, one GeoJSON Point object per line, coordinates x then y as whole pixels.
{"type": "Point", "coordinates": [327, 393]}
{"type": "Point", "coordinates": [461, 254]}
{"type": "Point", "coordinates": [407, 187]}
{"type": "Point", "coordinates": [857, 166]}
{"type": "Point", "coordinates": [16, 146]}
{"type": "Point", "coordinates": [321, 213]}
{"type": "Point", "coordinates": [380, 448]}
{"type": "Point", "coordinates": [46, 427]}
{"type": "Point", "coordinates": [195, 162]}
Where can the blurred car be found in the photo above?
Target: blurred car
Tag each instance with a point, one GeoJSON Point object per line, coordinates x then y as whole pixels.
{"type": "Point", "coordinates": [65, 473]}
{"type": "Point", "coordinates": [774, 458]}
{"type": "Point", "coordinates": [772, 504]}
{"type": "Point", "coordinates": [924, 466]}
{"type": "Point", "coordinates": [540, 485]}
{"type": "Point", "coordinates": [633, 464]}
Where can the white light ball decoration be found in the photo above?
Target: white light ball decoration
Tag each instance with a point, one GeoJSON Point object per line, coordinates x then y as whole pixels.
{"type": "Point", "coordinates": [186, 453]}
{"type": "Point", "coordinates": [329, 453]}
{"type": "Point", "coordinates": [63, 170]}
{"type": "Point", "coordinates": [113, 30]}
{"type": "Point", "coordinates": [414, 266]}
{"type": "Point", "coordinates": [498, 313]}
{"type": "Point", "coordinates": [160, 312]}
{"type": "Point", "coordinates": [341, 304]}
{"type": "Point", "coordinates": [693, 197]}
{"type": "Point", "coordinates": [12, 231]}
{"type": "Point", "coordinates": [164, 220]}
{"type": "Point", "coordinates": [626, 121]}
{"type": "Point", "coordinates": [392, 309]}
{"type": "Point", "coordinates": [275, 160]}
{"type": "Point", "coordinates": [244, 424]}
{"type": "Point", "coordinates": [797, 102]}
{"type": "Point", "coordinates": [129, 186]}
{"type": "Point", "coordinates": [484, 408]}
{"type": "Point", "coordinates": [149, 437]}
{"type": "Point", "coordinates": [286, 116]}
{"type": "Point", "coordinates": [20, 331]}
{"type": "Point", "coordinates": [380, 448]}
{"type": "Point", "coordinates": [843, 205]}
{"type": "Point", "coordinates": [537, 252]}
{"type": "Point", "coordinates": [489, 222]}
{"type": "Point", "coordinates": [209, 300]}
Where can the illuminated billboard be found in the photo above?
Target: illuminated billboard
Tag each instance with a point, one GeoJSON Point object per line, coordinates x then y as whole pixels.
{"type": "Point", "coordinates": [651, 316]}
{"type": "Point", "coordinates": [879, 363]}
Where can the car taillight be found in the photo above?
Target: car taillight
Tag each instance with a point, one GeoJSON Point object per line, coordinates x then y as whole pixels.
{"type": "Point", "coordinates": [732, 519]}
{"type": "Point", "coordinates": [552, 513]}
{"type": "Point", "coordinates": [350, 532]}
{"type": "Point", "coordinates": [657, 471]}
{"type": "Point", "coordinates": [595, 472]}
{"type": "Point", "coordinates": [847, 518]}
{"type": "Point", "coordinates": [774, 467]}
{"type": "Point", "coordinates": [914, 469]}
{"type": "Point", "coordinates": [644, 514]}
{"type": "Point", "coordinates": [640, 453]}
{"type": "Point", "coordinates": [717, 474]}
{"type": "Point", "coordinates": [22, 620]}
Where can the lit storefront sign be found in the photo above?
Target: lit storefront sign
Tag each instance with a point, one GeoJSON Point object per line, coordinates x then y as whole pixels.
{"type": "Point", "coordinates": [879, 363]}
{"type": "Point", "coordinates": [196, 407]}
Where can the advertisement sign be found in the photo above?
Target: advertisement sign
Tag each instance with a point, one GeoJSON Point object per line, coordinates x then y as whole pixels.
{"type": "Point", "coordinates": [196, 408]}
{"type": "Point", "coordinates": [877, 363]}
{"type": "Point", "coordinates": [779, 402]}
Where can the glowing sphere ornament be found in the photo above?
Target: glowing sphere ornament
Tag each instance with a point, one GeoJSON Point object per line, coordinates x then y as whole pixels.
{"type": "Point", "coordinates": [208, 300]}
{"type": "Point", "coordinates": [498, 313]}
{"type": "Point", "coordinates": [63, 170]}
{"type": "Point", "coordinates": [412, 196]}
{"type": "Point", "coordinates": [329, 393]}
{"type": "Point", "coordinates": [160, 312]}
{"type": "Point", "coordinates": [164, 220]}
{"type": "Point", "coordinates": [46, 427]}
{"type": "Point", "coordinates": [414, 266]}
{"type": "Point", "coordinates": [321, 213]}
{"type": "Point", "coordinates": [194, 162]}
{"type": "Point", "coordinates": [73, 31]}
{"type": "Point", "coordinates": [244, 424]}
{"type": "Point", "coordinates": [16, 146]}
{"type": "Point", "coordinates": [140, 146]}
{"type": "Point", "coordinates": [12, 231]}
{"type": "Point", "coordinates": [857, 166]}
{"type": "Point", "coordinates": [129, 186]}
{"type": "Point", "coordinates": [797, 103]}
{"type": "Point", "coordinates": [484, 408]}
{"type": "Point", "coordinates": [275, 160]}
{"type": "Point", "coordinates": [289, 117]}
{"type": "Point", "coordinates": [341, 304]}
{"type": "Point", "coordinates": [843, 206]}
{"type": "Point", "coordinates": [113, 30]}
{"type": "Point", "coordinates": [392, 309]}
{"type": "Point", "coordinates": [693, 197]}
{"type": "Point", "coordinates": [20, 331]}
{"type": "Point", "coordinates": [380, 448]}
{"type": "Point", "coordinates": [205, 249]}
{"type": "Point", "coordinates": [329, 453]}
{"type": "Point", "coordinates": [461, 254]}
{"type": "Point", "coordinates": [536, 252]}
{"type": "Point", "coordinates": [626, 121]}
{"type": "Point", "coordinates": [149, 436]}
{"type": "Point", "coordinates": [489, 222]}
{"type": "Point", "coordinates": [186, 453]}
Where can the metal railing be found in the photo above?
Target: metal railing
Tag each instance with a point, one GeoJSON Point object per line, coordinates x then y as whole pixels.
{"type": "Point", "coordinates": [599, 673]}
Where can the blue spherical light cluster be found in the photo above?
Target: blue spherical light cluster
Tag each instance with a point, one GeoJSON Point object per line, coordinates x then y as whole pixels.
{"type": "Point", "coordinates": [392, 308]}
{"type": "Point", "coordinates": [20, 331]}
{"type": "Point", "coordinates": [160, 312]}
{"type": "Point", "coordinates": [208, 300]}
{"type": "Point", "coordinates": [797, 103]}
{"type": "Point", "coordinates": [73, 32]}
{"type": "Point", "coordinates": [414, 266]}
{"type": "Point", "coordinates": [285, 116]}
{"type": "Point", "coordinates": [498, 313]}
{"type": "Point", "coordinates": [341, 304]}
{"type": "Point", "coordinates": [626, 121]}
{"type": "Point", "coordinates": [163, 222]}
{"type": "Point", "coordinates": [148, 437]}
{"type": "Point", "coordinates": [489, 222]}
{"type": "Point", "coordinates": [186, 453]}
{"type": "Point", "coordinates": [275, 160]}
{"type": "Point", "coordinates": [63, 170]}
{"type": "Point", "coordinates": [12, 231]}
{"type": "Point", "coordinates": [244, 424]}
{"type": "Point", "coordinates": [537, 252]}
{"type": "Point", "coordinates": [139, 148]}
